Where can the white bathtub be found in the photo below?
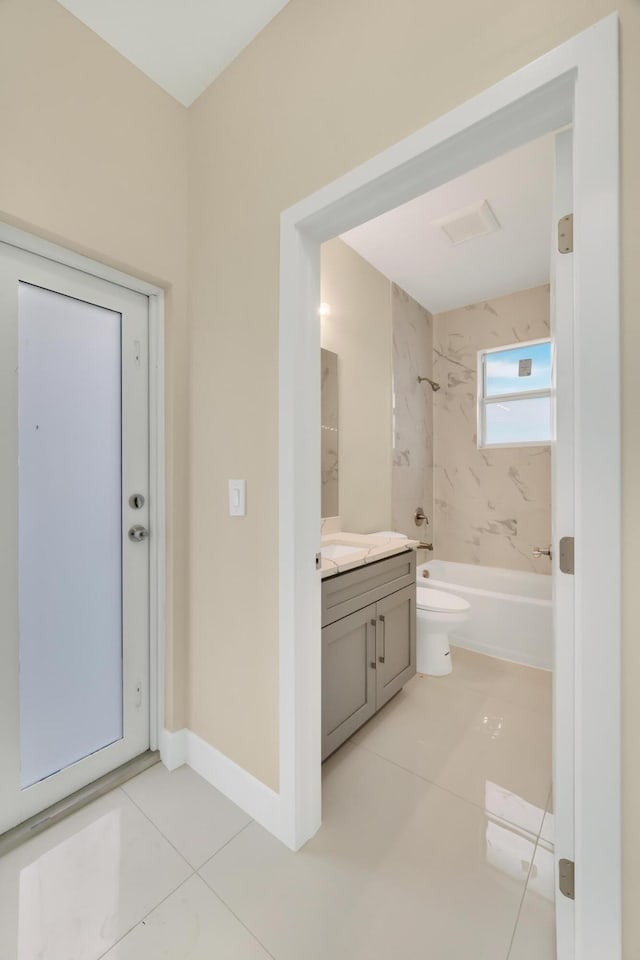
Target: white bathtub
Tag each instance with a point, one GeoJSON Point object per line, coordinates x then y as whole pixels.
{"type": "Point", "coordinates": [511, 612]}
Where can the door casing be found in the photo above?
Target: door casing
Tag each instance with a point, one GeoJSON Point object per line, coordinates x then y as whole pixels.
{"type": "Point", "coordinates": [576, 83]}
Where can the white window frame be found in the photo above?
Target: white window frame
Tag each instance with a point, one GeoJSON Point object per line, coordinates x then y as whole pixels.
{"type": "Point", "coordinates": [483, 401]}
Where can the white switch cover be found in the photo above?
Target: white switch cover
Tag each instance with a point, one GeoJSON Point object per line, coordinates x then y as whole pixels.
{"type": "Point", "coordinates": [237, 498]}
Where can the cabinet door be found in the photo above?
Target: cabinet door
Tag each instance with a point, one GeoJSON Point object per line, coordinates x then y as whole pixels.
{"type": "Point", "coordinates": [395, 643]}
{"type": "Point", "coordinates": [348, 676]}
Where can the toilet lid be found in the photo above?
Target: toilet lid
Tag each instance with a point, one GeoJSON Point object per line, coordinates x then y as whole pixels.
{"type": "Point", "coordinates": [439, 601]}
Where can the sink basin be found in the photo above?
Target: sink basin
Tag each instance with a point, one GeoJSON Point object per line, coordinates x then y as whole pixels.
{"type": "Point", "coordinates": [336, 551]}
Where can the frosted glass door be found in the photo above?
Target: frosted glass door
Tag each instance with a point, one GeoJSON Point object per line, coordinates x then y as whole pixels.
{"type": "Point", "coordinates": [74, 531]}
{"type": "Point", "coordinates": [70, 530]}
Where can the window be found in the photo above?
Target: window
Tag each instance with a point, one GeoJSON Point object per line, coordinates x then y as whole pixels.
{"type": "Point", "coordinates": [514, 395]}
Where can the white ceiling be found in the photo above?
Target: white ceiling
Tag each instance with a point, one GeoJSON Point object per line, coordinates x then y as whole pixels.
{"type": "Point", "coordinates": [181, 44]}
{"type": "Point", "coordinates": [407, 247]}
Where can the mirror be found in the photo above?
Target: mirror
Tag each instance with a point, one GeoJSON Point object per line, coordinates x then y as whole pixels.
{"type": "Point", "coordinates": [329, 433]}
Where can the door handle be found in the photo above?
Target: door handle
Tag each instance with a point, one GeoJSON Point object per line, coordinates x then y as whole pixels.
{"type": "Point", "coordinates": [138, 533]}
{"type": "Point", "coordinates": [384, 640]}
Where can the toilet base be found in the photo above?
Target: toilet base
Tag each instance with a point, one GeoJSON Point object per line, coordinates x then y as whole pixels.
{"type": "Point", "coordinates": [433, 655]}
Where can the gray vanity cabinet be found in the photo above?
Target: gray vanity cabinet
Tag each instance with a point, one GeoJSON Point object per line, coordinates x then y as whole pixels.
{"type": "Point", "coordinates": [348, 676]}
{"type": "Point", "coordinates": [396, 648]}
{"type": "Point", "coordinates": [368, 643]}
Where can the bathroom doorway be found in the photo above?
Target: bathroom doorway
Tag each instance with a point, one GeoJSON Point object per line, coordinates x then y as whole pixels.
{"type": "Point", "coordinates": [537, 100]}
{"type": "Point", "coordinates": [438, 368]}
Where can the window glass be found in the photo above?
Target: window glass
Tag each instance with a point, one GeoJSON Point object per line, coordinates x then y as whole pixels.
{"type": "Point", "coordinates": [518, 421]}
{"type": "Point", "coordinates": [518, 370]}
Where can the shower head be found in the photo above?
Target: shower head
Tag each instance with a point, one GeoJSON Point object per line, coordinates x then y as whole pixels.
{"type": "Point", "coordinates": [434, 386]}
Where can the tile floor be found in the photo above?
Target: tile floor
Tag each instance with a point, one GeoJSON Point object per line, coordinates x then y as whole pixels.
{"type": "Point", "coordinates": [435, 843]}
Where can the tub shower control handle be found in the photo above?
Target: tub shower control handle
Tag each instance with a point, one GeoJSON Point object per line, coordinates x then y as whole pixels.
{"type": "Point", "coordinates": [542, 552]}
{"type": "Point", "coordinates": [384, 640]}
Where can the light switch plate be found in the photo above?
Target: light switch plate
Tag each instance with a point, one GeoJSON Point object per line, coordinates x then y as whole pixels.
{"type": "Point", "coordinates": [237, 498]}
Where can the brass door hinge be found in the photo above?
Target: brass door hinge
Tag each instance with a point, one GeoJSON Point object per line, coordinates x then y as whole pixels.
{"type": "Point", "coordinates": [567, 554]}
{"type": "Point", "coordinates": [566, 879]}
{"type": "Point", "coordinates": [565, 234]}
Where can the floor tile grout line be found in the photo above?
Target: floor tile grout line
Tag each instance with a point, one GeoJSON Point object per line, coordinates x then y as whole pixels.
{"type": "Point", "coordinates": [207, 859]}
{"type": "Point", "coordinates": [494, 695]}
{"type": "Point", "coordinates": [469, 683]}
{"type": "Point", "coordinates": [524, 893]}
{"type": "Point", "coordinates": [233, 913]}
{"type": "Point", "coordinates": [521, 709]}
{"type": "Point", "coordinates": [529, 872]}
{"type": "Point", "coordinates": [194, 871]}
{"type": "Point", "coordinates": [162, 834]}
{"type": "Point", "coordinates": [225, 844]}
{"type": "Point", "coordinates": [546, 811]}
{"type": "Point", "coordinates": [534, 835]}
{"type": "Point", "coordinates": [147, 914]}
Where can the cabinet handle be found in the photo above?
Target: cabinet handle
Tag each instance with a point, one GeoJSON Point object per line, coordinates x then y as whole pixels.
{"type": "Point", "coordinates": [372, 664]}
{"type": "Point", "coordinates": [384, 640]}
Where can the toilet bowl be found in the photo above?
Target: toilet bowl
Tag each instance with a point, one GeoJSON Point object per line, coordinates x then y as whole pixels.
{"type": "Point", "coordinates": [437, 613]}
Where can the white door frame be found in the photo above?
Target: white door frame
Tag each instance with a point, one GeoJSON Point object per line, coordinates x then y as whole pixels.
{"type": "Point", "coordinates": [575, 83]}
{"type": "Point", "coordinates": [51, 251]}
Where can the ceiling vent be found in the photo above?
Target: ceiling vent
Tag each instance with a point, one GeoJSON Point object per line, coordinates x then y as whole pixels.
{"type": "Point", "coordinates": [474, 221]}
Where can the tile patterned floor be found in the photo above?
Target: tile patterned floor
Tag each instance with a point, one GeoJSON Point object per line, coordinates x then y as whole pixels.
{"type": "Point", "coordinates": [436, 841]}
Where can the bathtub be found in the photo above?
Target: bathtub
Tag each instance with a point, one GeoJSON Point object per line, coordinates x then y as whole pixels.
{"type": "Point", "coordinates": [511, 612]}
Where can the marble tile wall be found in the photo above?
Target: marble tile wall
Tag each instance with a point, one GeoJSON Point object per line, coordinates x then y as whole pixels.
{"type": "Point", "coordinates": [491, 506]}
{"type": "Point", "coordinates": [412, 466]}
{"type": "Point", "coordinates": [329, 433]}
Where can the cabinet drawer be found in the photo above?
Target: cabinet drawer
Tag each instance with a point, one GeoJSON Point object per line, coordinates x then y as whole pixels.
{"type": "Point", "coordinates": [347, 592]}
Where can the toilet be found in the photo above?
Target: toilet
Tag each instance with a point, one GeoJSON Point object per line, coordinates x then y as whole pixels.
{"type": "Point", "coordinates": [437, 613]}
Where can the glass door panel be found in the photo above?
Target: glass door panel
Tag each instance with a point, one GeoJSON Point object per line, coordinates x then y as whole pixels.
{"type": "Point", "coordinates": [70, 530]}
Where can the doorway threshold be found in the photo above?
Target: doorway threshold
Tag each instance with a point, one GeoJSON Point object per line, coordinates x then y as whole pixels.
{"type": "Point", "coordinates": [64, 808]}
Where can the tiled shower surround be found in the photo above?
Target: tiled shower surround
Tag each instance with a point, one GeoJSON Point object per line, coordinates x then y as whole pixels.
{"type": "Point", "coordinates": [329, 435]}
{"type": "Point", "coordinates": [488, 506]}
{"type": "Point", "coordinates": [492, 506]}
{"type": "Point", "coordinates": [412, 465]}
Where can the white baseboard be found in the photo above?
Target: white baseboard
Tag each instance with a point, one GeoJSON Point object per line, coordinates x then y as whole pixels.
{"type": "Point", "coordinates": [257, 800]}
{"type": "Point", "coordinates": [173, 748]}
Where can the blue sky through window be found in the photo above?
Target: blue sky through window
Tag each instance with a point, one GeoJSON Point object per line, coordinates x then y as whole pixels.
{"type": "Point", "coordinates": [502, 368]}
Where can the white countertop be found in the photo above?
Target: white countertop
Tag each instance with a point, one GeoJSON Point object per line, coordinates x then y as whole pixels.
{"type": "Point", "coordinates": [366, 549]}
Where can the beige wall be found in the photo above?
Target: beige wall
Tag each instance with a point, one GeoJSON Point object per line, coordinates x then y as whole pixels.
{"type": "Point", "coordinates": [323, 88]}
{"type": "Point", "coordinates": [93, 156]}
{"type": "Point", "coordinates": [359, 331]}
{"type": "Point", "coordinates": [492, 506]}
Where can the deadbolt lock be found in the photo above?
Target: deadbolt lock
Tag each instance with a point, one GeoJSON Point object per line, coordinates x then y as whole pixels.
{"type": "Point", "coordinates": [138, 533]}
{"type": "Point", "coordinates": [136, 501]}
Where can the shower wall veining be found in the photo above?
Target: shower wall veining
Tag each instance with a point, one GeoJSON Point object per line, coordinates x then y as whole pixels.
{"type": "Point", "coordinates": [491, 506]}
{"type": "Point", "coordinates": [402, 446]}
{"type": "Point", "coordinates": [412, 466]}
